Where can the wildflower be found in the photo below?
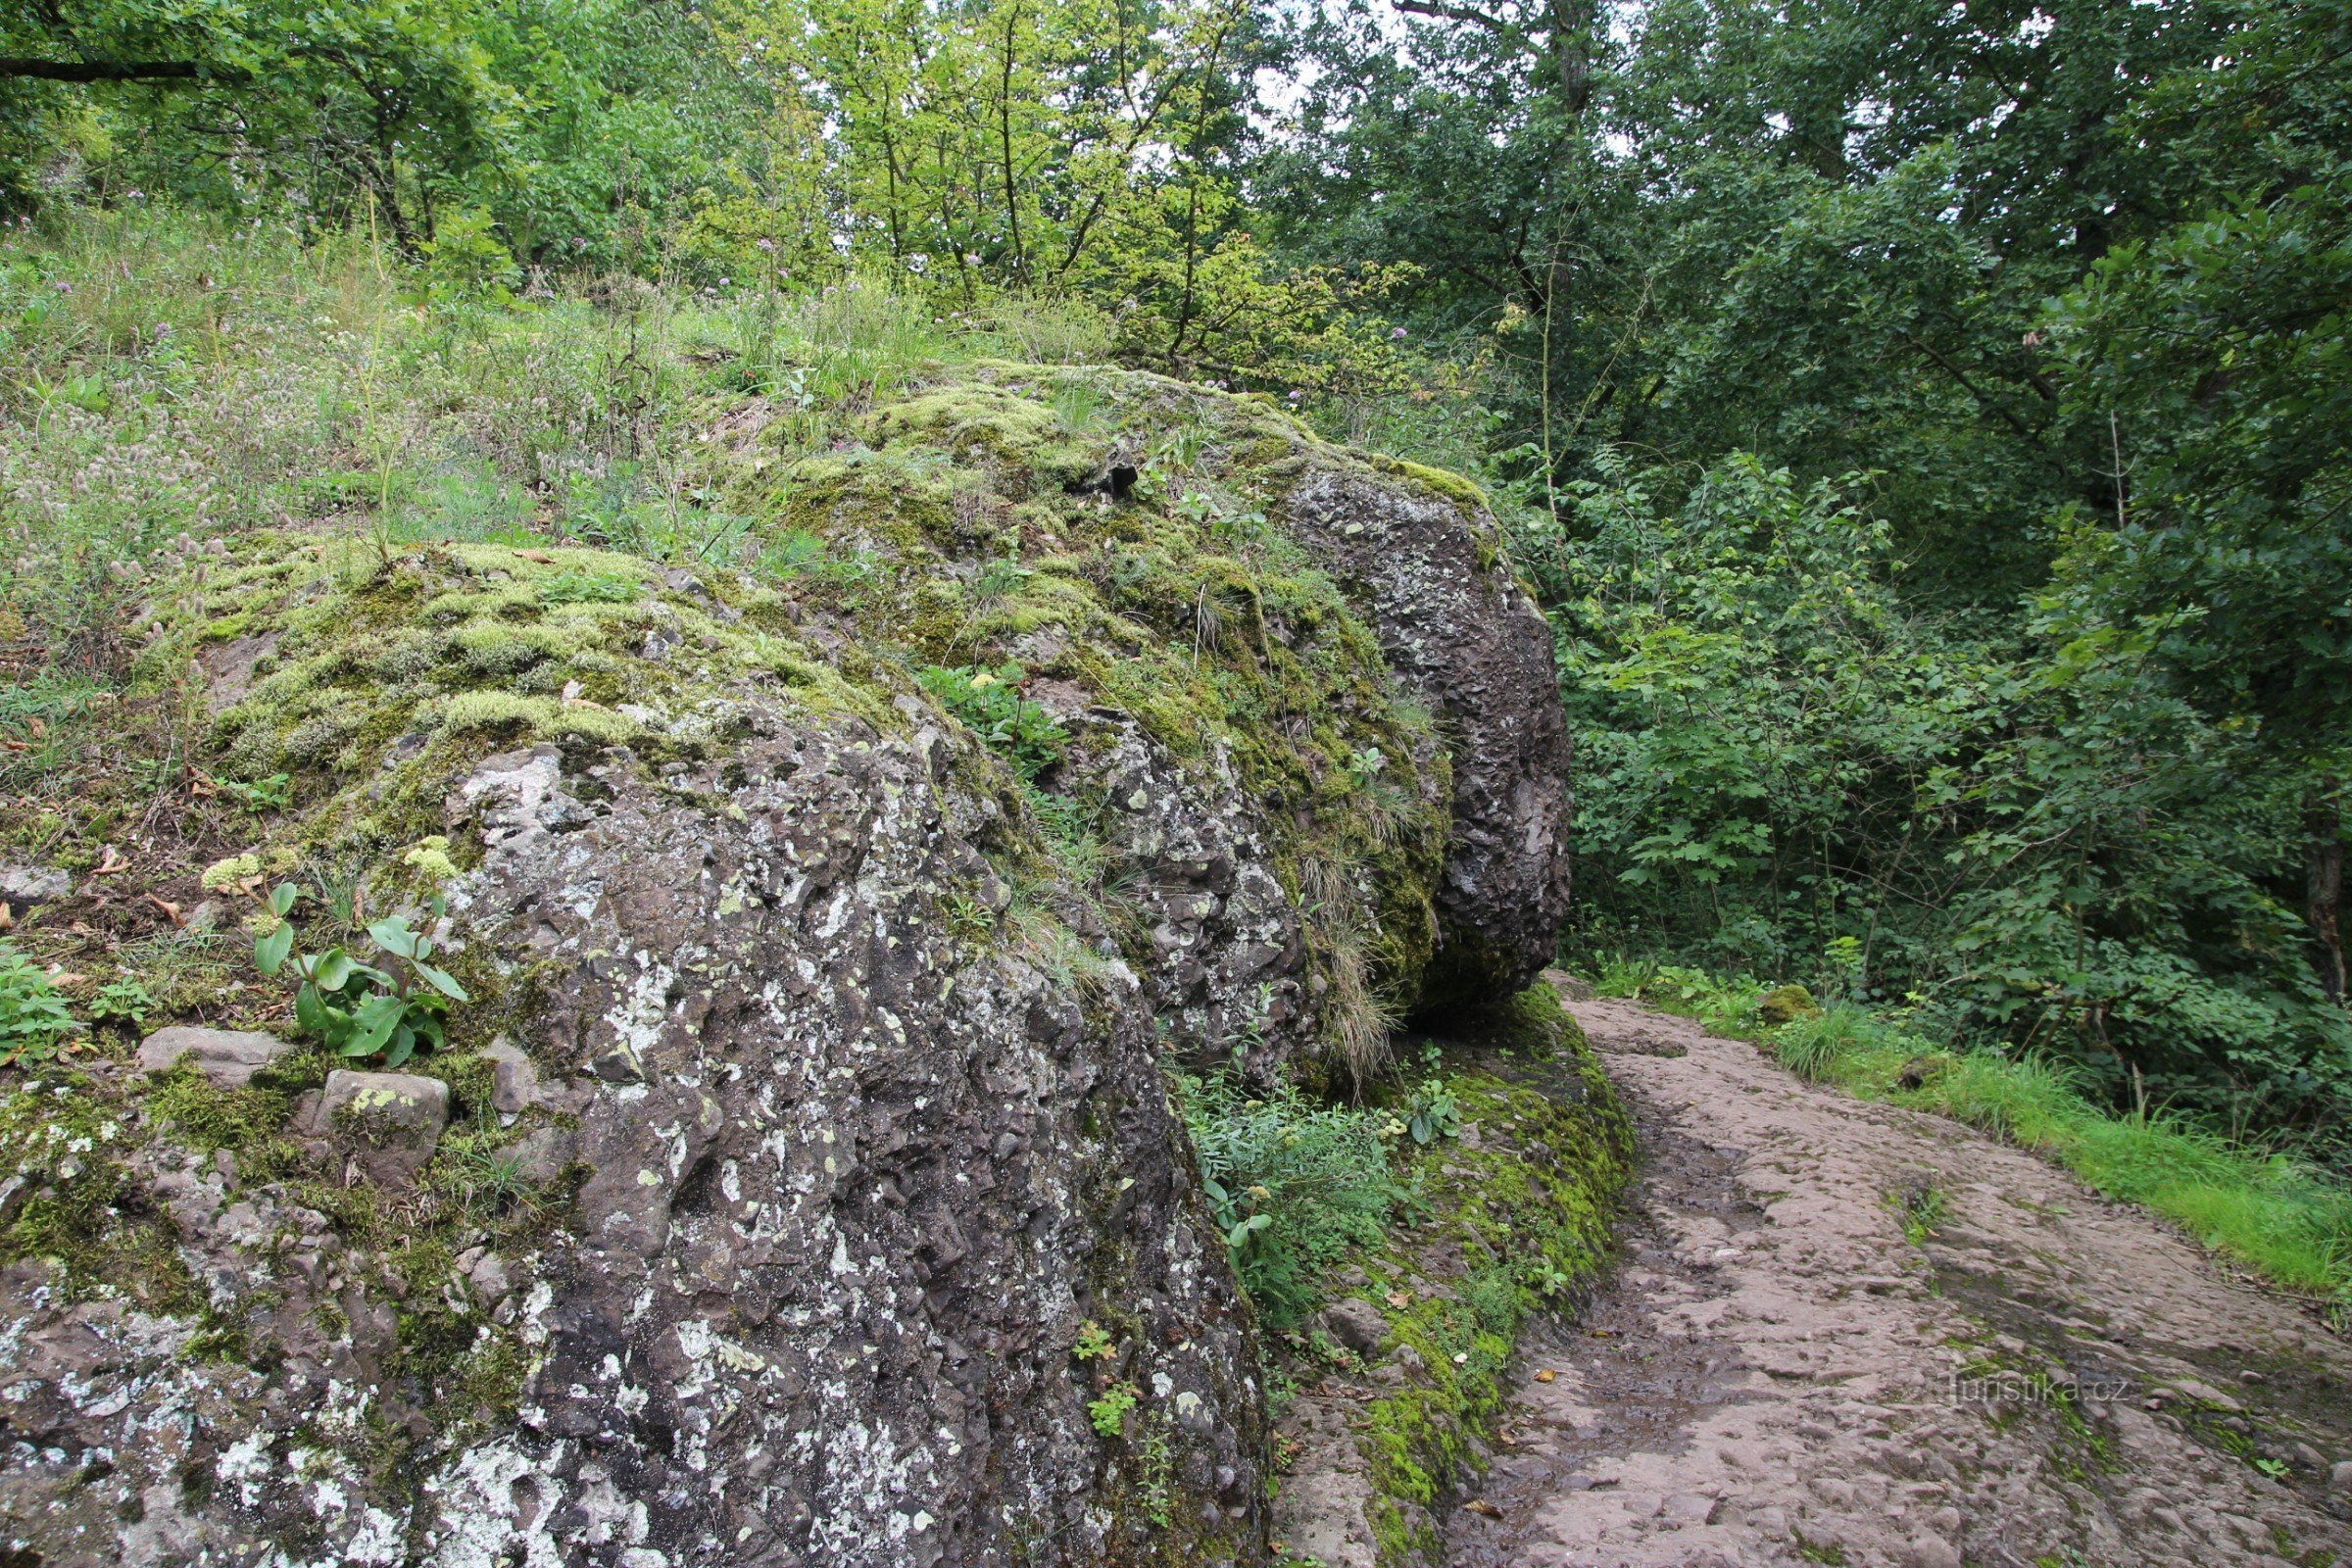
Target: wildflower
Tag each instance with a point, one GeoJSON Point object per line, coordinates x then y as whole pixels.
{"type": "Point", "coordinates": [1296, 396]}
{"type": "Point", "coordinates": [767, 244]}
{"type": "Point", "coordinates": [1397, 334]}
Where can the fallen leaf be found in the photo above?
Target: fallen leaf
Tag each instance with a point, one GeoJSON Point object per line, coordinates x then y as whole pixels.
{"type": "Point", "coordinates": [540, 556]}
{"type": "Point", "coordinates": [36, 727]}
{"type": "Point", "coordinates": [1401, 1299]}
{"type": "Point", "coordinates": [8, 916]}
{"type": "Point", "coordinates": [110, 863]}
{"type": "Point", "coordinates": [1547, 1375]}
{"type": "Point", "coordinates": [16, 745]}
{"type": "Point", "coordinates": [1482, 1508]}
{"type": "Point", "coordinates": [202, 787]}
{"type": "Point", "coordinates": [81, 928]}
{"type": "Point", "coordinates": [170, 911]}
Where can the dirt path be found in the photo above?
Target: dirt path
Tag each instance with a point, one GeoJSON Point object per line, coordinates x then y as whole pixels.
{"type": "Point", "coordinates": [1779, 1374]}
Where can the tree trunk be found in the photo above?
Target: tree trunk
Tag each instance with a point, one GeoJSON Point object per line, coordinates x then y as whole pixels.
{"type": "Point", "coordinates": [2323, 889]}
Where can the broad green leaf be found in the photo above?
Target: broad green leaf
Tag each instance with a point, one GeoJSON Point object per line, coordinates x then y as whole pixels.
{"type": "Point", "coordinates": [442, 982]}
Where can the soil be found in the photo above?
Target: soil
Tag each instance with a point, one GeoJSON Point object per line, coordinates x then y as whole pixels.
{"type": "Point", "coordinates": [1842, 1332]}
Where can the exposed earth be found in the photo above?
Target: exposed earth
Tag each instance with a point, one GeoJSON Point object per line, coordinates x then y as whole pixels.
{"type": "Point", "coordinates": [1846, 1332]}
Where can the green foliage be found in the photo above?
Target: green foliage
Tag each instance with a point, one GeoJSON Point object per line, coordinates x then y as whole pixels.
{"type": "Point", "coordinates": [590, 588]}
{"type": "Point", "coordinates": [391, 1008]}
{"type": "Point", "coordinates": [1109, 1411]}
{"type": "Point", "coordinates": [34, 1020]}
{"type": "Point", "coordinates": [2044, 842]}
{"type": "Point", "coordinates": [1427, 1114]}
{"type": "Point", "coordinates": [122, 1000]}
{"type": "Point", "coordinates": [1095, 1342]}
{"type": "Point", "coordinates": [262, 796]}
{"type": "Point", "coordinates": [1293, 1185]}
{"type": "Point", "coordinates": [990, 704]}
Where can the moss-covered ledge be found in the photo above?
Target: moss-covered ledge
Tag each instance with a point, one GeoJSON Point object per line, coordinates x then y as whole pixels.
{"type": "Point", "coordinates": [1506, 1220]}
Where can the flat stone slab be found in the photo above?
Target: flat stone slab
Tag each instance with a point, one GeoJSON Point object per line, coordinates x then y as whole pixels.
{"type": "Point", "coordinates": [388, 1122]}
{"type": "Point", "coordinates": [229, 1057]}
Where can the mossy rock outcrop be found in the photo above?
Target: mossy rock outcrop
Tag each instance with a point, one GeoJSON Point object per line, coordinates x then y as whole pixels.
{"type": "Point", "coordinates": [829, 917]}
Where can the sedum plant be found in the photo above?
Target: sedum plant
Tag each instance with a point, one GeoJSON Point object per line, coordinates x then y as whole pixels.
{"type": "Point", "coordinates": [390, 1008]}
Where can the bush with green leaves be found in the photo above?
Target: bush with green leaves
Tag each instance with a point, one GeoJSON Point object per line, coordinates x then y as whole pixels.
{"type": "Point", "coordinates": [391, 1008]}
{"type": "Point", "coordinates": [1293, 1184]}
{"type": "Point", "coordinates": [1787, 766]}
{"type": "Point", "coordinates": [34, 1020]}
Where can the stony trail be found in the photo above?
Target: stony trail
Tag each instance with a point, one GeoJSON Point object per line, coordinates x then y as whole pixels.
{"type": "Point", "coordinates": [1778, 1373]}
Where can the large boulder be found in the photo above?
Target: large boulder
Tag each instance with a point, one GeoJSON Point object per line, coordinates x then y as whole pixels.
{"type": "Point", "coordinates": [1425, 560]}
{"type": "Point", "coordinates": [803, 1184]}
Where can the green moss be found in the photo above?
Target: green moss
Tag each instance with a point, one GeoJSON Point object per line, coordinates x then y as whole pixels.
{"type": "Point", "coordinates": [1785, 1005]}
{"type": "Point", "coordinates": [1517, 1225]}
{"type": "Point", "coordinates": [205, 1116]}
{"type": "Point", "coordinates": [1219, 638]}
{"type": "Point", "coordinates": [67, 1136]}
{"type": "Point", "coordinates": [1450, 485]}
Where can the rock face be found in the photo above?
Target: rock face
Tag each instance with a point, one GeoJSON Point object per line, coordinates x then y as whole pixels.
{"type": "Point", "coordinates": [801, 1184]}
{"type": "Point", "coordinates": [1467, 641]}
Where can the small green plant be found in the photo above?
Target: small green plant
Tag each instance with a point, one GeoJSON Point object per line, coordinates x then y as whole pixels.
{"type": "Point", "coordinates": [261, 797]}
{"type": "Point", "coordinates": [1546, 1279]}
{"type": "Point", "coordinates": [1920, 1207]}
{"type": "Point", "coordinates": [122, 1002]}
{"type": "Point", "coordinates": [34, 1020]}
{"type": "Point", "coordinates": [792, 555]}
{"type": "Point", "coordinates": [1108, 1413]}
{"type": "Point", "coordinates": [990, 704]}
{"type": "Point", "coordinates": [1000, 580]}
{"type": "Point", "coordinates": [1291, 1184]}
{"type": "Point", "coordinates": [392, 1008]}
{"type": "Point", "coordinates": [1828, 1552]}
{"type": "Point", "coordinates": [490, 1183]}
{"type": "Point", "coordinates": [1158, 1480]}
{"type": "Point", "coordinates": [589, 588]}
{"type": "Point", "coordinates": [1430, 1113]}
{"type": "Point", "coordinates": [1095, 1342]}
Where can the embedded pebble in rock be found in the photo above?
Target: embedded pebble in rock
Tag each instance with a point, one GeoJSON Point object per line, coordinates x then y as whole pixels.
{"type": "Point", "coordinates": [1800, 1383]}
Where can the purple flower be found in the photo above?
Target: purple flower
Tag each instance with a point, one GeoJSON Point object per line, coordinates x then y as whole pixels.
{"type": "Point", "coordinates": [1397, 334]}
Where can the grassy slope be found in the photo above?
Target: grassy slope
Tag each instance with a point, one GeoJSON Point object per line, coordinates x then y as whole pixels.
{"type": "Point", "coordinates": [2261, 1208]}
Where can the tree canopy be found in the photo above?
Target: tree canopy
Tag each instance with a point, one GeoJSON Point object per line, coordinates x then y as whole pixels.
{"type": "Point", "coordinates": [1925, 425]}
